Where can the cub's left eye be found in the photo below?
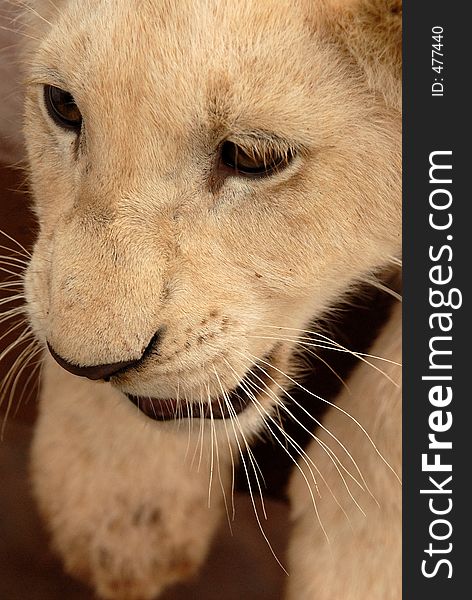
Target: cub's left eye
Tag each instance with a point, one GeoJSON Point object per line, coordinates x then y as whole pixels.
{"type": "Point", "coordinates": [62, 108]}
{"type": "Point", "coordinates": [254, 162]}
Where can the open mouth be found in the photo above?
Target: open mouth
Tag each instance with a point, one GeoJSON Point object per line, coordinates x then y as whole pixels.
{"type": "Point", "coordinates": [221, 407]}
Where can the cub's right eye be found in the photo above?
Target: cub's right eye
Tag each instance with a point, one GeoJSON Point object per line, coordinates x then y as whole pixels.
{"type": "Point", "coordinates": [62, 108]}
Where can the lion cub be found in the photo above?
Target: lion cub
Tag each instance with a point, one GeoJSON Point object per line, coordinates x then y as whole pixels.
{"type": "Point", "coordinates": [209, 178]}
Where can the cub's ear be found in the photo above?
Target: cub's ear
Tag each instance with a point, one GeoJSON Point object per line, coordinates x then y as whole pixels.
{"type": "Point", "coordinates": [371, 31]}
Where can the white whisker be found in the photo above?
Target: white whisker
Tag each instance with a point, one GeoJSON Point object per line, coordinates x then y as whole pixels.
{"type": "Point", "coordinates": [233, 510]}
{"type": "Point", "coordinates": [328, 344]}
{"type": "Point", "coordinates": [364, 486]}
{"type": "Point", "coordinates": [335, 373]}
{"type": "Point", "coordinates": [215, 441]}
{"type": "Point", "coordinates": [212, 441]}
{"type": "Point", "coordinates": [234, 419]}
{"type": "Point", "coordinates": [11, 380]}
{"type": "Point", "coordinates": [202, 430]}
{"type": "Point", "coordinates": [298, 448]}
{"type": "Point", "coordinates": [22, 254]}
{"type": "Point", "coordinates": [27, 253]}
{"type": "Point", "coordinates": [327, 431]}
{"type": "Point", "coordinates": [324, 447]}
{"type": "Point", "coordinates": [7, 333]}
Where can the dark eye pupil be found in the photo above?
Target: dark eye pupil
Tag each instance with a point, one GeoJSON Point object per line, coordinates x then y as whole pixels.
{"type": "Point", "coordinates": [255, 162]}
{"type": "Point", "coordinates": [62, 108]}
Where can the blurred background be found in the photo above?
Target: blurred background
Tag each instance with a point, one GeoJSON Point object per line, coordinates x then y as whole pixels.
{"type": "Point", "coordinates": [240, 566]}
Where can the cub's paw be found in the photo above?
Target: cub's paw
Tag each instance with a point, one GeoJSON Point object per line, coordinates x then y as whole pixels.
{"type": "Point", "coordinates": [134, 552]}
{"type": "Point", "coordinates": [126, 511]}
{"type": "Point", "coordinates": [128, 550]}
{"type": "Point", "coordinates": [128, 521]}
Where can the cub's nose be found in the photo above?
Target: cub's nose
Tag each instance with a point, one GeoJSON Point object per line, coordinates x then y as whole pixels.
{"type": "Point", "coordinates": [103, 371]}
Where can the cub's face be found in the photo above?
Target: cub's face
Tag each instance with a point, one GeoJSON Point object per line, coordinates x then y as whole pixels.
{"type": "Point", "coordinates": [203, 173]}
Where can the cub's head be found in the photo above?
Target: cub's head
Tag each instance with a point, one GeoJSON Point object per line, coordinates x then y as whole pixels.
{"type": "Point", "coordinates": [206, 174]}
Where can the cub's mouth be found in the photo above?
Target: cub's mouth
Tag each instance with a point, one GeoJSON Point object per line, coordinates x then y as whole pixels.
{"type": "Point", "coordinates": [228, 404]}
{"type": "Point", "coordinates": [225, 406]}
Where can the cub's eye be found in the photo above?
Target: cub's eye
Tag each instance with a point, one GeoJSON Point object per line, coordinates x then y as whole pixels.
{"type": "Point", "coordinates": [62, 108]}
{"type": "Point", "coordinates": [256, 162]}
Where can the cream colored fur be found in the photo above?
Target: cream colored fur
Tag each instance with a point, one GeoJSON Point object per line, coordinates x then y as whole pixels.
{"type": "Point", "coordinates": [138, 232]}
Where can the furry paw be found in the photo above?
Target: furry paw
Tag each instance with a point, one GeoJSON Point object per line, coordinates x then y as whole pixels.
{"type": "Point", "coordinates": [126, 511]}
{"type": "Point", "coordinates": [131, 552]}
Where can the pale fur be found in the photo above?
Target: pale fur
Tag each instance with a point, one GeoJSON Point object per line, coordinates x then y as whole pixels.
{"type": "Point", "coordinates": [135, 233]}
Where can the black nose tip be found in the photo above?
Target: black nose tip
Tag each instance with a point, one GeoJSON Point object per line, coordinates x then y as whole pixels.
{"type": "Point", "coordinates": [103, 371]}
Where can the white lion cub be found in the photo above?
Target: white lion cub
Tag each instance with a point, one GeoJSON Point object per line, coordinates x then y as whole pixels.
{"type": "Point", "coordinates": [209, 178]}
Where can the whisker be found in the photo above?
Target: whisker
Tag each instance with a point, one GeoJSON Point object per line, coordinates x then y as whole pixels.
{"type": "Point", "coordinates": [12, 239]}
{"type": "Point", "coordinates": [326, 363]}
{"type": "Point", "coordinates": [53, 6]}
{"type": "Point", "coordinates": [326, 449]}
{"type": "Point", "coordinates": [190, 419]}
{"type": "Point", "coordinates": [251, 495]}
{"type": "Point", "coordinates": [13, 262]}
{"type": "Point", "coordinates": [27, 332]}
{"type": "Point", "coordinates": [12, 312]}
{"type": "Point", "coordinates": [11, 299]}
{"type": "Point", "coordinates": [250, 454]}
{"type": "Point", "coordinates": [384, 460]}
{"type": "Point", "coordinates": [36, 374]}
{"type": "Point", "coordinates": [325, 338]}
{"type": "Point", "coordinates": [302, 454]}
{"type": "Point", "coordinates": [328, 344]}
{"type": "Point", "coordinates": [152, 406]}
{"type": "Point", "coordinates": [359, 354]}
{"type": "Point", "coordinates": [212, 432]}
{"type": "Point", "coordinates": [384, 288]}
{"type": "Point", "coordinates": [11, 282]}
{"type": "Point", "coordinates": [202, 430]}
{"type": "Point", "coordinates": [19, 32]}
{"type": "Point", "coordinates": [13, 377]}
{"type": "Point", "coordinates": [30, 9]}
{"type": "Point", "coordinates": [20, 253]}
{"type": "Point", "coordinates": [215, 439]}
{"type": "Point", "coordinates": [190, 401]}
{"type": "Point", "coordinates": [366, 487]}
{"type": "Point", "coordinates": [8, 332]}
{"type": "Point", "coordinates": [253, 462]}
{"type": "Point", "coordinates": [12, 370]}
{"type": "Point", "coordinates": [37, 365]}
{"type": "Point", "coordinates": [256, 403]}
{"type": "Point", "coordinates": [6, 270]}
{"type": "Point", "coordinates": [233, 510]}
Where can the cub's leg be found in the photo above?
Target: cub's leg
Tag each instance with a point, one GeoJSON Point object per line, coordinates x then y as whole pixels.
{"type": "Point", "coordinates": [363, 557]}
{"type": "Point", "coordinates": [127, 509]}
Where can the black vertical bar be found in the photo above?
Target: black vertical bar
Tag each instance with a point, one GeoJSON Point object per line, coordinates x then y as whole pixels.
{"type": "Point", "coordinates": [441, 124]}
